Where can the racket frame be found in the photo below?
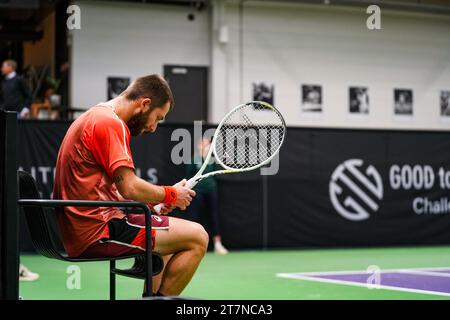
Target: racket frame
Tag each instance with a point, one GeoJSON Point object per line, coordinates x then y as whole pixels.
{"type": "Point", "coordinates": [199, 176]}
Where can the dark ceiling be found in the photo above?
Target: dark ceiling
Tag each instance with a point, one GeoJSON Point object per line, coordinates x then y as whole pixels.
{"type": "Point", "coordinates": [20, 19]}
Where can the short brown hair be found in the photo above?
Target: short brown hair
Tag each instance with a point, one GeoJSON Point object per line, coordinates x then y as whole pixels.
{"type": "Point", "coordinates": [152, 86]}
{"type": "Point", "coordinates": [12, 63]}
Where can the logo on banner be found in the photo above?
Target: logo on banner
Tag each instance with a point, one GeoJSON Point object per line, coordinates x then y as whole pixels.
{"type": "Point", "coordinates": [354, 192]}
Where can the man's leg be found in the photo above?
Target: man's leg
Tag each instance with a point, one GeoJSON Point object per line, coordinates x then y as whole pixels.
{"type": "Point", "coordinates": [157, 279]}
{"type": "Point", "coordinates": [212, 205]}
{"type": "Point", "coordinates": [187, 241]}
{"type": "Point", "coordinates": [212, 202]}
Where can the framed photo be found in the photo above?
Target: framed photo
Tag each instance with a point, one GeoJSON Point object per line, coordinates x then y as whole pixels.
{"type": "Point", "coordinates": [358, 101]}
{"type": "Point", "coordinates": [403, 102]}
{"type": "Point", "coordinates": [116, 85]}
{"type": "Point", "coordinates": [311, 98]}
{"type": "Point", "coordinates": [263, 92]}
{"type": "Point", "coordinates": [444, 102]}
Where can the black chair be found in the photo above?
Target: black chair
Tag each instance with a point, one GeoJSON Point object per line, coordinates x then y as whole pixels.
{"type": "Point", "coordinates": [43, 237]}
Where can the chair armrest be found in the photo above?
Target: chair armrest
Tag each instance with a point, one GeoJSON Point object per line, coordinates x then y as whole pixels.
{"type": "Point", "coordinates": [81, 203]}
{"type": "Point", "coordinates": [84, 203]}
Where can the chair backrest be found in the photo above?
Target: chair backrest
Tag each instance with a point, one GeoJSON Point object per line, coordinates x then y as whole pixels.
{"type": "Point", "coordinates": [38, 225]}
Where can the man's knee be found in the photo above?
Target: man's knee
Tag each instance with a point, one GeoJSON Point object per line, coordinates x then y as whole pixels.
{"type": "Point", "coordinates": [201, 237]}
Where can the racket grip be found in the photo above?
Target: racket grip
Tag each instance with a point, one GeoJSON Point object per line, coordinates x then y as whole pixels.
{"type": "Point", "coordinates": [190, 184]}
{"type": "Point", "coordinates": [157, 208]}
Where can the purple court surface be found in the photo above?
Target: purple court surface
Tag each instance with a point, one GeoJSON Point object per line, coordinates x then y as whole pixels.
{"type": "Point", "coordinates": [434, 281]}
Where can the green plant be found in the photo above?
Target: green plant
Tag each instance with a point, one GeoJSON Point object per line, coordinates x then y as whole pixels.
{"type": "Point", "coordinates": [53, 83]}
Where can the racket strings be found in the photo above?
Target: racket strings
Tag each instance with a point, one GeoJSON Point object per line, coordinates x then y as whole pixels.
{"type": "Point", "coordinates": [249, 136]}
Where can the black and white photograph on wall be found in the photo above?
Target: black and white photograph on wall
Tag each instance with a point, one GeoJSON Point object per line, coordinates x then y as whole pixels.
{"type": "Point", "coordinates": [311, 98]}
{"type": "Point", "coordinates": [359, 100]}
{"type": "Point", "coordinates": [403, 102]}
{"type": "Point", "coordinates": [445, 103]}
{"type": "Point", "coordinates": [116, 85]}
{"type": "Point", "coordinates": [263, 92]}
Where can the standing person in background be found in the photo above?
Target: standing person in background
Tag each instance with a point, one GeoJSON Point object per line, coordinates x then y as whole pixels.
{"type": "Point", "coordinates": [207, 195]}
{"type": "Point", "coordinates": [15, 93]}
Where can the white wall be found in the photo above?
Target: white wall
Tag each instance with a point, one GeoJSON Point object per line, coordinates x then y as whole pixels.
{"type": "Point", "coordinates": [285, 44]}
{"type": "Point", "coordinates": [290, 45]}
{"type": "Point", "coordinates": [131, 40]}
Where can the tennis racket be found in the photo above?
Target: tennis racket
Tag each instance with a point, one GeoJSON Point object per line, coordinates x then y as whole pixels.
{"type": "Point", "coordinates": [247, 138]}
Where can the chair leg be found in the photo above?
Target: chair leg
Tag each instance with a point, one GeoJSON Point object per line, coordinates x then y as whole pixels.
{"type": "Point", "coordinates": [148, 257]}
{"type": "Point", "coordinates": [112, 280]}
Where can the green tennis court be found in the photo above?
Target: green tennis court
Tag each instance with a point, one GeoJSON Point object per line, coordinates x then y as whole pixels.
{"type": "Point", "coordinates": [248, 275]}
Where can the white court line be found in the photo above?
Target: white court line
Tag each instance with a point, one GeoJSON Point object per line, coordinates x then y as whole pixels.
{"type": "Point", "coordinates": [425, 273]}
{"type": "Point", "coordinates": [319, 273]}
{"type": "Point", "coordinates": [358, 284]}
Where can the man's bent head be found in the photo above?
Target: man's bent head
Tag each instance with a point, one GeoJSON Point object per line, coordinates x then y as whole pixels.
{"type": "Point", "coordinates": [152, 99]}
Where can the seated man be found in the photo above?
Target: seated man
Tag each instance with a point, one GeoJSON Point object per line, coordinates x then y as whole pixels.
{"type": "Point", "coordinates": [95, 163]}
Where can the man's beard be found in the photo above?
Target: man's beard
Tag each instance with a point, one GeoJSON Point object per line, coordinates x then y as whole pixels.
{"type": "Point", "coordinates": [137, 123]}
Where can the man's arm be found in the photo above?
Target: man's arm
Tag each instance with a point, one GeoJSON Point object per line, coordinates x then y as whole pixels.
{"type": "Point", "coordinates": [112, 152]}
{"type": "Point", "coordinates": [132, 187]}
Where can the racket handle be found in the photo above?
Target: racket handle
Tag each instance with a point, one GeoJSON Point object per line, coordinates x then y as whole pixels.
{"type": "Point", "coordinates": [190, 184]}
{"type": "Point", "coordinates": [157, 208]}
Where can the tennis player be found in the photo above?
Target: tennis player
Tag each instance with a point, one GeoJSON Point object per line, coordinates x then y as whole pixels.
{"type": "Point", "coordinates": [95, 163]}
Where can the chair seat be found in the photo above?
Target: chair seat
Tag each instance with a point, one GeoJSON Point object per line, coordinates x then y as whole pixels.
{"type": "Point", "coordinates": [136, 271]}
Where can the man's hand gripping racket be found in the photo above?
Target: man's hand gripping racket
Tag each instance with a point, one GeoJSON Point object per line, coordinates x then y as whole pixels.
{"type": "Point", "coordinates": [247, 138]}
{"type": "Point", "coordinates": [184, 198]}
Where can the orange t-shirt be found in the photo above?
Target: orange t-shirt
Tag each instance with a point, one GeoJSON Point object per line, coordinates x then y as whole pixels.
{"type": "Point", "coordinates": [96, 144]}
